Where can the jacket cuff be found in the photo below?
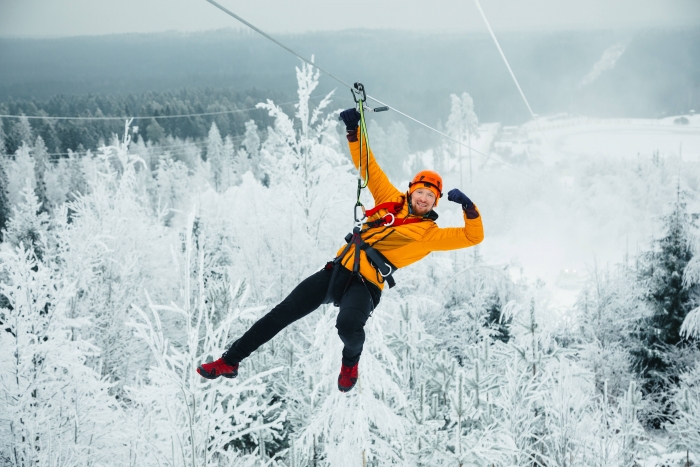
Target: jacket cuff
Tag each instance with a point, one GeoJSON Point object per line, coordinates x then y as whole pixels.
{"type": "Point", "coordinates": [352, 135]}
{"type": "Point", "coordinates": [471, 212]}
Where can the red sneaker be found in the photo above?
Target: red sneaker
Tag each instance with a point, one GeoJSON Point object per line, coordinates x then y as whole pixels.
{"type": "Point", "coordinates": [347, 377]}
{"type": "Point", "coordinates": [217, 368]}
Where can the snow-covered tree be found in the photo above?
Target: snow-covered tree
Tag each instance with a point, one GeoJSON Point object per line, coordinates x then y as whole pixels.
{"type": "Point", "coordinates": [662, 354]}
{"type": "Point", "coordinates": [462, 125]}
{"type": "Point", "coordinates": [112, 248]}
{"type": "Point", "coordinates": [249, 152]}
{"type": "Point", "coordinates": [216, 159]}
{"type": "Point", "coordinates": [391, 149]}
{"type": "Point", "coordinates": [41, 164]}
{"type": "Point", "coordinates": [685, 428]}
{"type": "Point", "coordinates": [611, 307]}
{"type": "Point", "coordinates": [155, 132]}
{"type": "Point", "coordinates": [56, 410]}
{"type": "Point", "coordinates": [364, 424]}
{"type": "Point", "coordinates": [28, 225]}
{"type": "Point", "coordinates": [305, 160]}
{"type": "Point", "coordinates": [3, 137]}
{"type": "Point", "coordinates": [21, 133]}
{"type": "Point", "coordinates": [183, 418]}
{"type": "Point", "coordinates": [172, 183]}
{"type": "Point", "coordinates": [4, 199]}
{"type": "Point", "coordinates": [57, 183]}
{"type": "Point", "coordinates": [19, 171]}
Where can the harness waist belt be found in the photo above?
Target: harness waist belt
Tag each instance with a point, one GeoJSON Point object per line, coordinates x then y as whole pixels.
{"type": "Point", "coordinates": [376, 259]}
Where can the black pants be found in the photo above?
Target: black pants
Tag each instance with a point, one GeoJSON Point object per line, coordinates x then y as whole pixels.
{"type": "Point", "coordinates": [356, 298]}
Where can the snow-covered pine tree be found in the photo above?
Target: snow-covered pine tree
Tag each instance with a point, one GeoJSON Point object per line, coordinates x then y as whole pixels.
{"type": "Point", "coordinates": [391, 149]}
{"type": "Point", "coordinates": [365, 424]}
{"type": "Point", "coordinates": [4, 198]}
{"type": "Point", "coordinates": [112, 247]}
{"type": "Point", "coordinates": [477, 434]}
{"type": "Point", "coordinates": [684, 430]}
{"type": "Point", "coordinates": [215, 158]}
{"type": "Point", "coordinates": [154, 132]}
{"type": "Point", "coordinates": [57, 183]}
{"type": "Point", "coordinates": [29, 223]}
{"type": "Point", "coordinates": [308, 179]}
{"type": "Point", "coordinates": [525, 381]}
{"type": "Point", "coordinates": [19, 171]}
{"type": "Point", "coordinates": [21, 133]}
{"type": "Point", "coordinates": [611, 308]}
{"type": "Point", "coordinates": [307, 159]}
{"type": "Point", "coordinates": [230, 163]}
{"type": "Point", "coordinates": [172, 184]}
{"type": "Point", "coordinates": [56, 410]}
{"type": "Point", "coordinates": [472, 302]}
{"type": "Point", "coordinates": [566, 408]}
{"type": "Point", "coordinates": [248, 156]}
{"type": "Point", "coordinates": [462, 125]}
{"type": "Point", "coordinates": [3, 137]}
{"type": "Point", "coordinates": [661, 354]}
{"type": "Point", "coordinates": [41, 165]}
{"type": "Point", "coordinates": [181, 417]}
{"type": "Point", "coordinates": [77, 182]}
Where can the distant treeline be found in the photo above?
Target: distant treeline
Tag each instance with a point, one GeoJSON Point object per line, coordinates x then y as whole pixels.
{"type": "Point", "coordinates": [61, 135]}
{"type": "Point", "coordinates": [613, 73]}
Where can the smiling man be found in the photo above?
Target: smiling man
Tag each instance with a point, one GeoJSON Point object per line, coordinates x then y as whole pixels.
{"type": "Point", "coordinates": [399, 231]}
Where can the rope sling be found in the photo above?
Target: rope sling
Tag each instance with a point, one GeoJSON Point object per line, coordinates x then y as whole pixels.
{"type": "Point", "coordinates": [383, 266]}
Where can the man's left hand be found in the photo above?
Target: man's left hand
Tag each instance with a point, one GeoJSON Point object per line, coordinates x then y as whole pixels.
{"type": "Point", "coordinates": [457, 196]}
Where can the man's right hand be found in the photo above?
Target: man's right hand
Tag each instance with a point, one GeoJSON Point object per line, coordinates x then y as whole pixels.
{"type": "Point", "coordinates": [351, 117]}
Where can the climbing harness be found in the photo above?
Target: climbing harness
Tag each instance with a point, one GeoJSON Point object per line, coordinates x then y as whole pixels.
{"type": "Point", "coordinates": [382, 265]}
{"type": "Point", "coordinates": [385, 269]}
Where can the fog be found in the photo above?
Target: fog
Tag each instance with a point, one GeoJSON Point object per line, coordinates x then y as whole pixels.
{"type": "Point", "coordinates": [61, 18]}
{"type": "Point", "coordinates": [647, 73]}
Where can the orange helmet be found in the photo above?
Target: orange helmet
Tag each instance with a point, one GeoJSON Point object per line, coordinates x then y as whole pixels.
{"type": "Point", "coordinates": [427, 179]}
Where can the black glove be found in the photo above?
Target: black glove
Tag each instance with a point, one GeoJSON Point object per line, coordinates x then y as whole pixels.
{"type": "Point", "coordinates": [351, 117]}
{"type": "Point", "coordinates": [458, 197]}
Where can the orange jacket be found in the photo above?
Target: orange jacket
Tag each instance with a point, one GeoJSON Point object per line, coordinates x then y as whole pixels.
{"type": "Point", "coordinates": [404, 244]}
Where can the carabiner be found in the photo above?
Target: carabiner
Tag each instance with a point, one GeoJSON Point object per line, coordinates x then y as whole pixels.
{"type": "Point", "coordinates": [387, 274]}
{"type": "Point", "coordinates": [364, 216]}
{"type": "Point", "coordinates": [359, 91]}
{"type": "Point", "coordinates": [393, 218]}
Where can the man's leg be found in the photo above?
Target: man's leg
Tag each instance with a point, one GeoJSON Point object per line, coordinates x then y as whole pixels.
{"type": "Point", "coordinates": [355, 308]}
{"type": "Point", "coordinates": [304, 299]}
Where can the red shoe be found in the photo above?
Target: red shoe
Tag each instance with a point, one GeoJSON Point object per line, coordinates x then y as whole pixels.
{"type": "Point", "coordinates": [217, 368]}
{"type": "Point", "coordinates": [347, 377]}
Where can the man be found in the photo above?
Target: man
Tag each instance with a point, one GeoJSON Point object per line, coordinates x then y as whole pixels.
{"type": "Point", "coordinates": [400, 230]}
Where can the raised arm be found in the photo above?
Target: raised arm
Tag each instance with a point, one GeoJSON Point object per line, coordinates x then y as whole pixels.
{"type": "Point", "coordinates": [379, 185]}
{"type": "Point", "coordinates": [454, 238]}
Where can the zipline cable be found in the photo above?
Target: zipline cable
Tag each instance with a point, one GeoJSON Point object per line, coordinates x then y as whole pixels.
{"type": "Point", "coordinates": [264, 34]}
{"type": "Point", "coordinates": [498, 46]}
{"type": "Point", "coordinates": [510, 70]}
{"type": "Point", "coordinates": [145, 117]}
{"type": "Point", "coordinates": [331, 75]}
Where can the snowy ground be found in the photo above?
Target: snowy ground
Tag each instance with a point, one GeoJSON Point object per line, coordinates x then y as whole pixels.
{"type": "Point", "coordinates": [561, 247]}
{"type": "Point", "coordinates": [619, 138]}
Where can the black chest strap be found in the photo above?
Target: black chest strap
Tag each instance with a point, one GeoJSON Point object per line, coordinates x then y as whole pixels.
{"type": "Point", "coordinates": [385, 269]}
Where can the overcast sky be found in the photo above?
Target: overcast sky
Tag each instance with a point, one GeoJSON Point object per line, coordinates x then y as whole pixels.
{"type": "Point", "coordinates": [41, 18]}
